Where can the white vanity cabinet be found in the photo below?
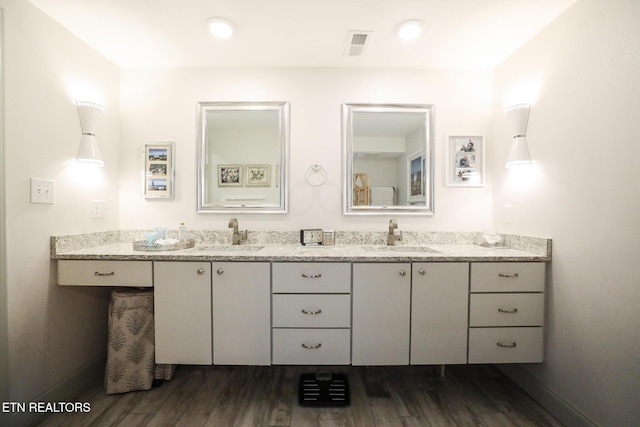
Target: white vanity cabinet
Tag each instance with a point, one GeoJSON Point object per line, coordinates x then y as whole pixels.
{"type": "Point", "coordinates": [381, 313]}
{"type": "Point", "coordinates": [182, 310]}
{"type": "Point", "coordinates": [105, 273]}
{"type": "Point", "coordinates": [241, 313]}
{"type": "Point", "coordinates": [506, 312]}
{"type": "Point", "coordinates": [439, 307]}
{"type": "Point", "coordinates": [311, 313]}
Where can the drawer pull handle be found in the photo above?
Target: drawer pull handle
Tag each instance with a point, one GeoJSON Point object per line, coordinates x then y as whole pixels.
{"type": "Point", "coordinates": [422, 272]}
{"type": "Point", "coordinates": [113, 273]}
{"type": "Point", "coordinates": [220, 272]}
{"type": "Point", "coordinates": [508, 276]}
{"type": "Point", "coordinates": [402, 273]}
{"type": "Point", "coordinates": [512, 345]}
{"type": "Point", "coordinates": [318, 311]}
{"type": "Point", "coordinates": [311, 347]}
{"type": "Point", "coordinates": [512, 311]}
{"type": "Point", "coordinates": [311, 276]}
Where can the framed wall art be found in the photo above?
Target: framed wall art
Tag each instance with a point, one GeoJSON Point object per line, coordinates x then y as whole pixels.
{"type": "Point", "coordinates": [465, 161]}
{"type": "Point", "coordinates": [158, 173]}
{"type": "Point", "coordinates": [230, 175]}
{"type": "Point", "coordinates": [258, 176]}
{"type": "Point", "coordinates": [416, 169]}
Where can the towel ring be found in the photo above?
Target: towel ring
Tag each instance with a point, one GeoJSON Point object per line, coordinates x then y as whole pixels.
{"type": "Point", "coordinates": [316, 168]}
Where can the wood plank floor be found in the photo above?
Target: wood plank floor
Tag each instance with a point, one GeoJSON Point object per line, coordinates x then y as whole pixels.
{"type": "Point", "coordinates": [469, 395]}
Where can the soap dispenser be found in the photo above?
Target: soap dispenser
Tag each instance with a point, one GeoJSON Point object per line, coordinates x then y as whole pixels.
{"type": "Point", "coordinates": [182, 232]}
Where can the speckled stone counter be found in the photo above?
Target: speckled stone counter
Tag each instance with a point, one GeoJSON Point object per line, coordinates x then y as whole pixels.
{"type": "Point", "coordinates": [283, 246]}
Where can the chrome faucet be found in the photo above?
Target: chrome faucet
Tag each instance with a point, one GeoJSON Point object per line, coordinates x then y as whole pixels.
{"type": "Point", "coordinates": [394, 234]}
{"type": "Point", "coordinates": [238, 236]}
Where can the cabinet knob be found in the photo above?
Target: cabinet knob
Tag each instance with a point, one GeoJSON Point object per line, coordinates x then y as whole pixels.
{"type": "Point", "coordinates": [422, 272]}
{"type": "Point", "coordinates": [220, 271]}
{"type": "Point", "coordinates": [200, 271]}
{"type": "Point", "coordinates": [402, 273]}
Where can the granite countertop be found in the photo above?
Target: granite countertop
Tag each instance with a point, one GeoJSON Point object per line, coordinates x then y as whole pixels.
{"type": "Point", "coordinates": [282, 246]}
{"type": "Point", "coordinates": [298, 253]}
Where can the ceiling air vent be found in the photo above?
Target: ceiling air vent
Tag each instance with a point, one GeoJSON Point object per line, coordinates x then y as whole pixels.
{"type": "Point", "coordinates": [356, 42]}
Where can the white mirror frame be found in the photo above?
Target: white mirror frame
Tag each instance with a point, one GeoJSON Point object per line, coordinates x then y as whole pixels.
{"type": "Point", "coordinates": [348, 111]}
{"type": "Point", "coordinates": [281, 171]}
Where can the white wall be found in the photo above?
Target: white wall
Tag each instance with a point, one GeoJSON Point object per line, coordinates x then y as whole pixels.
{"type": "Point", "coordinates": [53, 331]}
{"type": "Point", "coordinates": [160, 104]}
{"type": "Point", "coordinates": [582, 74]}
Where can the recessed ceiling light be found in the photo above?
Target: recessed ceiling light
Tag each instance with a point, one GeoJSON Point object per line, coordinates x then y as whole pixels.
{"type": "Point", "coordinates": [410, 30]}
{"type": "Point", "coordinates": [220, 27]}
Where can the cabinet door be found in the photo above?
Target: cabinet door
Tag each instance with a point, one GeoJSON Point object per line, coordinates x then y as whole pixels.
{"type": "Point", "coordinates": [439, 307]}
{"type": "Point", "coordinates": [381, 307]}
{"type": "Point", "coordinates": [241, 313]}
{"type": "Point", "coordinates": [182, 311]}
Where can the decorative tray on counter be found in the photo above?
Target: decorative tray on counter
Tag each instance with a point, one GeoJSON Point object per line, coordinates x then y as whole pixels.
{"type": "Point", "coordinates": [143, 245]}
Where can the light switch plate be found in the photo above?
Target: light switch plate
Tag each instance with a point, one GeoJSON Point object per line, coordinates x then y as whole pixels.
{"type": "Point", "coordinates": [42, 191]}
{"type": "Point", "coordinates": [98, 209]}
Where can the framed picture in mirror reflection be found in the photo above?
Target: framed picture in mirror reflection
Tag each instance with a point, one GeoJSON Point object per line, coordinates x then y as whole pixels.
{"type": "Point", "coordinates": [258, 176]}
{"type": "Point", "coordinates": [229, 175]}
{"type": "Point", "coordinates": [416, 169]}
{"type": "Point", "coordinates": [465, 161]}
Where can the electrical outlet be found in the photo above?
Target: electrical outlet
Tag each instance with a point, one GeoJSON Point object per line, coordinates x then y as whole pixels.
{"type": "Point", "coordinates": [98, 209]}
{"type": "Point", "coordinates": [42, 191]}
{"type": "Point", "coordinates": [506, 214]}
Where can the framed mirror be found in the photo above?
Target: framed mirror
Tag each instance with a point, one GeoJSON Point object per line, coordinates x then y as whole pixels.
{"type": "Point", "coordinates": [388, 159]}
{"type": "Point", "coordinates": [243, 150]}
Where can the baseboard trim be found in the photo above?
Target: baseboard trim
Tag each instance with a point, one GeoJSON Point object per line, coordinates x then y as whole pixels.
{"type": "Point", "coordinates": [559, 408]}
{"type": "Point", "coordinates": [63, 390]}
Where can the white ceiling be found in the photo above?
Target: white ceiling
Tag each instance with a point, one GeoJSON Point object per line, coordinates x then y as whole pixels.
{"type": "Point", "coordinates": [304, 33]}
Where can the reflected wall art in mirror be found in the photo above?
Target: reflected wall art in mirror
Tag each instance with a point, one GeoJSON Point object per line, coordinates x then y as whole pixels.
{"type": "Point", "coordinates": [243, 150]}
{"type": "Point", "coordinates": [387, 159]}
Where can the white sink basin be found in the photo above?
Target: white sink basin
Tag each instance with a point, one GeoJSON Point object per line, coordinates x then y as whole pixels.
{"type": "Point", "coordinates": [400, 249]}
{"type": "Point", "coordinates": [230, 248]}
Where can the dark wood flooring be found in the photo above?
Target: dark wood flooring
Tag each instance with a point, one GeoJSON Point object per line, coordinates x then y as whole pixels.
{"type": "Point", "coordinates": [468, 395]}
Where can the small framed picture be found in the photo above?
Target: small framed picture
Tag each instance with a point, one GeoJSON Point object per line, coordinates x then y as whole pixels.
{"type": "Point", "coordinates": [158, 173]}
{"type": "Point", "coordinates": [229, 175]}
{"type": "Point", "coordinates": [465, 161]}
{"type": "Point", "coordinates": [416, 167]}
{"type": "Point", "coordinates": [258, 176]}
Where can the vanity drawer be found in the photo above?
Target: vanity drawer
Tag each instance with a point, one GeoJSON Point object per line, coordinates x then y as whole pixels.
{"type": "Point", "coordinates": [506, 345]}
{"type": "Point", "coordinates": [311, 347]}
{"type": "Point", "coordinates": [507, 277]}
{"type": "Point", "coordinates": [311, 277]}
{"type": "Point", "coordinates": [312, 311]}
{"type": "Point", "coordinates": [508, 309]}
{"type": "Point", "coordinates": [105, 273]}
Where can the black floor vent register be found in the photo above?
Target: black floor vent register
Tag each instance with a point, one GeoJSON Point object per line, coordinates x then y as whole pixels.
{"type": "Point", "coordinates": [323, 389]}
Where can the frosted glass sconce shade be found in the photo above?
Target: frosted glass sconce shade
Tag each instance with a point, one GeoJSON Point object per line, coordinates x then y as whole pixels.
{"type": "Point", "coordinates": [518, 116]}
{"type": "Point", "coordinates": [88, 152]}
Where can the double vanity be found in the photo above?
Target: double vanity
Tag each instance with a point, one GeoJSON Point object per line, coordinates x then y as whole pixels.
{"type": "Point", "coordinates": [436, 298]}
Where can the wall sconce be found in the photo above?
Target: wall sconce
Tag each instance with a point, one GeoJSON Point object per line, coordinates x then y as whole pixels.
{"type": "Point", "coordinates": [88, 152]}
{"type": "Point", "coordinates": [519, 118]}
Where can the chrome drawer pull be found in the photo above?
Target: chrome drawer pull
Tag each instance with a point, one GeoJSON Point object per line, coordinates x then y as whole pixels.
{"type": "Point", "coordinates": [318, 311]}
{"type": "Point", "coordinates": [422, 272]}
{"type": "Point", "coordinates": [513, 311]}
{"type": "Point", "coordinates": [402, 273]}
{"type": "Point", "coordinates": [311, 347]}
{"type": "Point", "coordinates": [220, 272]}
{"type": "Point", "coordinates": [311, 276]}
{"type": "Point", "coordinates": [514, 276]}
{"type": "Point", "coordinates": [113, 273]}
{"type": "Point", "coordinates": [512, 345]}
